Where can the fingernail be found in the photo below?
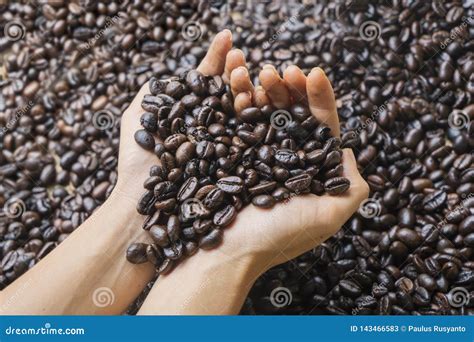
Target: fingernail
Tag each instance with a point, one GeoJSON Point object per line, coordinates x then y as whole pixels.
{"type": "Point", "coordinates": [268, 66]}
{"type": "Point", "coordinates": [318, 69]}
{"type": "Point", "coordinates": [228, 33]}
{"type": "Point", "coordinates": [243, 69]}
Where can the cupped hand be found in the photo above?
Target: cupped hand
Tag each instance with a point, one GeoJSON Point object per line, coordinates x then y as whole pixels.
{"type": "Point", "coordinates": [134, 161]}
{"type": "Point", "coordinates": [273, 236]}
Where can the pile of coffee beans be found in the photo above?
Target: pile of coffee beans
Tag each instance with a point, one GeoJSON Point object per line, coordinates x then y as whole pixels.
{"type": "Point", "coordinates": [404, 81]}
{"type": "Point", "coordinates": [213, 162]}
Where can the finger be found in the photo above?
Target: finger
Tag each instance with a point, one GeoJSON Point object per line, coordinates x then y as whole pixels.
{"type": "Point", "coordinates": [242, 101]}
{"type": "Point", "coordinates": [321, 99]}
{"type": "Point", "coordinates": [214, 61]}
{"type": "Point", "coordinates": [234, 59]}
{"type": "Point", "coordinates": [260, 97]}
{"type": "Point", "coordinates": [295, 81]}
{"type": "Point", "coordinates": [274, 87]}
{"type": "Point", "coordinates": [240, 81]}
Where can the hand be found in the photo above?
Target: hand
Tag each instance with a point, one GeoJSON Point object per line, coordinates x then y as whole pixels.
{"type": "Point", "coordinates": [271, 237]}
{"type": "Point", "coordinates": [134, 161]}
{"type": "Point", "coordinates": [217, 281]}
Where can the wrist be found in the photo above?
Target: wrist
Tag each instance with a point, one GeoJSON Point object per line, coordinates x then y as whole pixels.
{"type": "Point", "coordinates": [242, 266]}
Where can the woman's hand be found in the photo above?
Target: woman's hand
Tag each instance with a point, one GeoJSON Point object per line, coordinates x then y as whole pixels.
{"type": "Point", "coordinates": [271, 237]}
{"type": "Point", "coordinates": [217, 281]}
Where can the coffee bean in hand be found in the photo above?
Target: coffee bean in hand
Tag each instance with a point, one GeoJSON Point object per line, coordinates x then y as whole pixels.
{"type": "Point", "coordinates": [218, 162]}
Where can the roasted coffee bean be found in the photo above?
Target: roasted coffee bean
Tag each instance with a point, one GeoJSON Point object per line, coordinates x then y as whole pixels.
{"type": "Point", "coordinates": [173, 228]}
{"type": "Point", "coordinates": [159, 234]}
{"type": "Point", "coordinates": [149, 121]}
{"type": "Point", "coordinates": [165, 190]}
{"type": "Point", "coordinates": [224, 216]}
{"type": "Point", "coordinates": [262, 188]}
{"type": "Point", "coordinates": [263, 201]}
{"type": "Point", "coordinates": [336, 186]}
{"type": "Point", "coordinates": [298, 183]}
{"type": "Point", "coordinates": [146, 203]}
{"type": "Point", "coordinates": [231, 184]}
{"type": "Point", "coordinates": [174, 251]}
{"type": "Point", "coordinates": [154, 255]}
{"type": "Point", "coordinates": [316, 156]}
{"type": "Point", "coordinates": [152, 103]}
{"type": "Point", "coordinates": [145, 139]}
{"type": "Point", "coordinates": [205, 149]}
{"type": "Point", "coordinates": [185, 153]}
{"type": "Point", "coordinates": [281, 194]}
{"type": "Point", "coordinates": [136, 253]}
{"type": "Point", "coordinates": [188, 189]}
{"type": "Point", "coordinates": [214, 198]}
{"type": "Point", "coordinates": [211, 239]}
{"type": "Point", "coordinates": [287, 158]}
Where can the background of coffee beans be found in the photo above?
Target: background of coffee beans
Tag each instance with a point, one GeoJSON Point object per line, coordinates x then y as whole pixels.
{"type": "Point", "coordinates": [403, 76]}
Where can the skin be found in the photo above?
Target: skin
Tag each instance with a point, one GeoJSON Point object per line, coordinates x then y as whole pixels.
{"type": "Point", "coordinates": [211, 282]}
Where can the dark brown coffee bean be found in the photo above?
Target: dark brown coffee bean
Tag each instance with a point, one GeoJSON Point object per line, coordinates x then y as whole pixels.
{"type": "Point", "coordinates": [174, 251]}
{"type": "Point", "coordinates": [262, 188]}
{"type": "Point", "coordinates": [263, 201]}
{"type": "Point", "coordinates": [231, 184]}
{"type": "Point", "coordinates": [214, 198]}
{"type": "Point", "coordinates": [336, 186]}
{"type": "Point", "coordinates": [159, 234]}
{"type": "Point", "coordinates": [287, 158]}
{"type": "Point", "coordinates": [224, 216]}
{"type": "Point", "coordinates": [136, 253]}
{"type": "Point", "coordinates": [211, 239]}
{"type": "Point", "coordinates": [298, 183]}
{"type": "Point", "coordinates": [173, 228]}
{"type": "Point", "coordinates": [188, 189]}
{"type": "Point", "coordinates": [145, 139]}
{"type": "Point", "coordinates": [281, 194]}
